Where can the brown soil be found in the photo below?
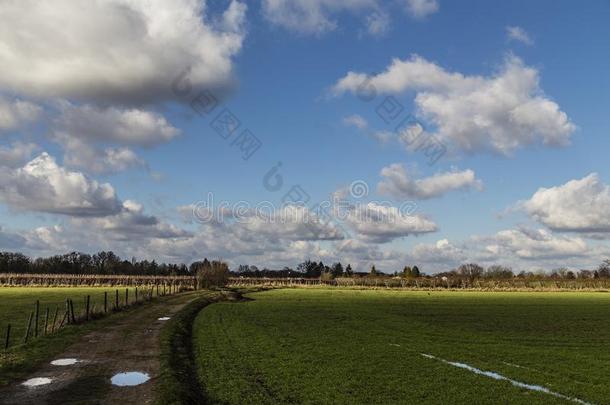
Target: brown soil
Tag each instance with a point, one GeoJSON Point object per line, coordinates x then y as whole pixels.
{"type": "Point", "coordinates": [130, 344]}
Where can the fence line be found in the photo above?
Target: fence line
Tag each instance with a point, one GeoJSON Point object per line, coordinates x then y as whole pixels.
{"type": "Point", "coordinates": [428, 283]}
{"type": "Point", "coordinates": [88, 314]}
{"type": "Point", "coordinates": [89, 280]}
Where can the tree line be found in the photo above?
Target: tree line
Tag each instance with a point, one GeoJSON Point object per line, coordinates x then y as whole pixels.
{"type": "Point", "coordinates": [102, 263]}
{"type": "Point", "coordinates": [467, 271]}
{"type": "Point", "coordinates": [108, 263]}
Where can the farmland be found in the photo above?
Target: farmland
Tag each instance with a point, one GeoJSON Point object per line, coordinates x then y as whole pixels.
{"type": "Point", "coordinates": [376, 346]}
{"type": "Point", "coordinates": [16, 304]}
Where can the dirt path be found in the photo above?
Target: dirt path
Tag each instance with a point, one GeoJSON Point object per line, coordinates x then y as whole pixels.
{"type": "Point", "coordinates": [130, 344]}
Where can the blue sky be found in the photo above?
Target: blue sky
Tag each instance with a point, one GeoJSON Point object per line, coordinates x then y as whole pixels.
{"type": "Point", "coordinates": [517, 93]}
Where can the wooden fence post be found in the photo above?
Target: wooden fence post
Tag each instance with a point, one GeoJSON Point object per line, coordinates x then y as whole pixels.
{"type": "Point", "coordinates": [72, 311]}
{"type": "Point", "coordinates": [8, 337]}
{"type": "Point", "coordinates": [105, 301]}
{"type": "Point", "coordinates": [136, 295]}
{"type": "Point", "coordinates": [54, 318]}
{"type": "Point", "coordinates": [36, 318]}
{"type": "Point", "coordinates": [63, 319]}
{"type": "Point", "coordinates": [46, 321]}
{"type": "Point", "coordinates": [27, 332]}
{"type": "Point", "coordinates": [116, 299]}
{"type": "Point", "coordinates": [87, 307]}
{"type": "Point", "coordinates": [127, 296]}
{"type": "Point", "coordinates": [68, 309]}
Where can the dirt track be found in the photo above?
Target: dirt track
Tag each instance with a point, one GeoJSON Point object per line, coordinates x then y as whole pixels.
{"type": "Point", "coordinates": [130, 344]}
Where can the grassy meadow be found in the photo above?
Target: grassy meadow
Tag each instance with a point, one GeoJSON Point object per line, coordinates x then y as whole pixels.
{"type": "Point", "coordinates": [16, 304]}
{"type": "Point", "coordinates": [368, 346]}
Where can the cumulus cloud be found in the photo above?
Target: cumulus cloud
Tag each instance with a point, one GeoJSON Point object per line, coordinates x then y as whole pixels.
{"type": "Point", "coordinates": [378, 23]}
{"type": "Point", "coordinates": [311, 16]}
{"type": "Point", "coordinates": [498, 113]}
{"type": "Point", "coordinates": [379, 223]}
{"type": "Point", "coordinates": [284, 237]}
{"type": "Point", "coordinates": [521, 249]}
{"type": "Point", "coordinates": [126, 126]}
{"type": "Point", "coordinates": [535, 244]}
{"type": "Point", "coordinates": [15, 113]}
{"type": "Point", "coordinates": [356, 121]}
{"type": "Point", "coordinates": [515, 33]}
{"type": "Point", "coordinates": [16, 154]}
{"type": "Point", "coordinates": [133, 223]}
{"type": "Point", "coordinates": [116, 50]}
{"type": "Point", "coordinates": [581, 205]}
{"type": "Point", "coordinates": [80, 154]}
{"type": "Point", "coordinates": [84, 131]}
{"type": "Point", "coordinates": [360, 123]}
{"type": "Point", "coordinates": [317, 17]}
{"type": "Point", "coordinates": [44, 186]}
{"type": "Point", "coordinates": [421, 8]}
{"type": "Point", "coordinates": [399, 183]}
{"type": "Point", "coordinates": [441, 252]}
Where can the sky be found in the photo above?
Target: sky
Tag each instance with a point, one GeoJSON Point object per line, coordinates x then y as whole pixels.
{"type": "Point", "coordinates": [393, 133]}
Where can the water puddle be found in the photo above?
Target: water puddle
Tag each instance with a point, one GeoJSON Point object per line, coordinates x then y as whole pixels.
{"type": "Point", "coordinates": [129, 379]}
{"type": "Point", "coordinates": [64, 362]}
{"type": "Point", "coordinates": [164, 318]}
{"type": "Point", "coordinates": [500, 377]}
{"type": "Point", "coordinates": [37, 381]}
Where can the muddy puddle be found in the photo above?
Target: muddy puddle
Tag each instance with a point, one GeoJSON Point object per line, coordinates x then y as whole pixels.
{"type": "Point", "coordinates": [64, 362]}
{"type": "Point", "coordinates": [129, 379]}
{"type": "Point", "coordinates": [37, 381]}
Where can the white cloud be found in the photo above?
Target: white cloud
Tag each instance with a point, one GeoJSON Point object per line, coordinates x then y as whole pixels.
{"type": "Point", "coordinates": [124, 126]}
{"type": "Point", "coordinates": [44, 186]}
{"type": "Point", "coordinates": [117, 50]}
{"type": "Point", "coordinates": [285, 237]}
{"type": "Point", "coordinates": [519, 34]}
{"type": "Point", "coordinates": [535, 244]}
{"type": "Point", "coordinates": [378, 23]}
{"type": "Point", "coordinates": [288, 223]}
{"type": "Point", "coordinates": [521, 249]}
{"type": "Point", "coordinates": [581, 205]}
{"type": "Point", "coordinates": [132, 223]}
{"type": "Point", "coordinates": [382, 137]}
{"type": "Point", "coordinates": [17, 154]}
{"type": "Point", "coordinates": [421, 8]}
{"type": "Point", "coordinates": [379, 223]}
{"type": "Point", "coordinates": [80, 154]}
{"type": "Point", "coordinates": [499, 113]}
{"type": "Point", "coordinates": [14, 113]}
{"type": "Point", "coordinates": [399, 183]}
{"type": "Point", "coordinates": [356, 121]}
{"type": "Point", "coordinates": [317, 17]}
{"type": "Point", "coordinates": [311, 16]}
{"type": "Point", "coordinates": [85, 131]}
{"type": "Point", "coordinates": [442, 252]}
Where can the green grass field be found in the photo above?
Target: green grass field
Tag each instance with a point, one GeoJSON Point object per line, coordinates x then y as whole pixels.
{"type": "Point", "coordinates": [16, 303]}
{"type": "Point", "coordinates": [364, 346]}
